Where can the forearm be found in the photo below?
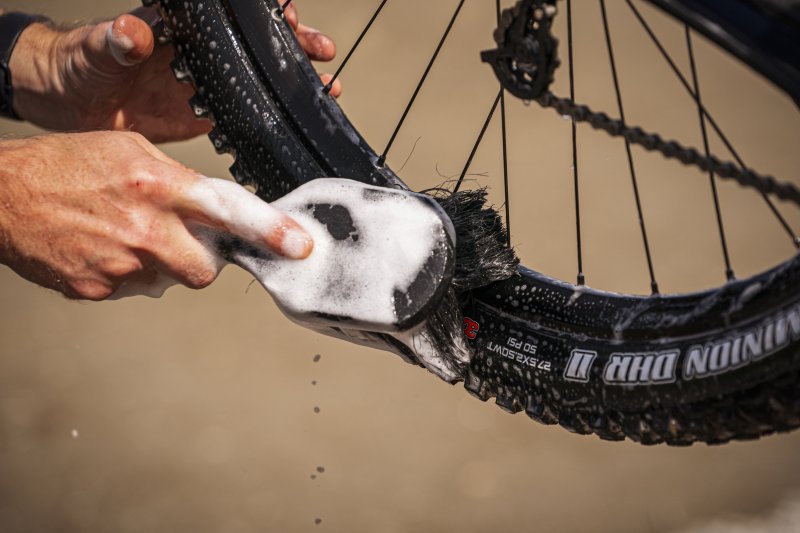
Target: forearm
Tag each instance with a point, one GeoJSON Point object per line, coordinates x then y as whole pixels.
{"type": "Point", "coordinates": [6, 180]}
{"type": "Point", "coordinates": [15, 170]}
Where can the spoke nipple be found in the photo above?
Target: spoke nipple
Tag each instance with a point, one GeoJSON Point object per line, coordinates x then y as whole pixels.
{"type": "Point", "coordinates": [277, 14]}
{"type": "Point", "coordinates": [581, 279]}
{"type": "Point", "coordinates": [729, 274]}
{"type": "Point", "coordinates": [381, 161]}
{"type": "Point", "coordinates": [284, 6]}
{"type": "Point", "coordinates": [327, 88]}
{"type": "Point", "coordinates": [654, 288]}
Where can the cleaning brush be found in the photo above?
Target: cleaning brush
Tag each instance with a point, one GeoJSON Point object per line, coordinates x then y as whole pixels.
{"type": "Point", "coordinates": [482, 257]}
{"type": "Point", "coordinates": [390, 268]}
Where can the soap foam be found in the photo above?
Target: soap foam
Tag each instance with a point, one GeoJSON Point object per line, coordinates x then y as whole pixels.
{"type": "Point", "coordinates": [394, 235]}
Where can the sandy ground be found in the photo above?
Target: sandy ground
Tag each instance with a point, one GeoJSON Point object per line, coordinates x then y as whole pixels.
{"type": "Point", "coordinates": [196, 412]}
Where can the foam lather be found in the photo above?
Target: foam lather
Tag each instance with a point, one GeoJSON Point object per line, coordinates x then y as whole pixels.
{"type": "Point", "coordinates": [382, 258]}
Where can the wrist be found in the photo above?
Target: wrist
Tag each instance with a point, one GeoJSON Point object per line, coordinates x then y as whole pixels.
{"type": "Point", "coordinates": [34, 78]}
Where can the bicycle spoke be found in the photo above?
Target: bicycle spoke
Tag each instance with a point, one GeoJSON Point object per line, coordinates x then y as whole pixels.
{"type": "Point", "coordinates": [711, 177]}
{"type": "Point", "coordinates": [780, 218]}
{"type": "Point", "coordinates": [329, 85]}
{"type": "Point", "coordinates": [581, 277]}
{"type": "Point", "coordinates": [631, 166]}
{"type": "Point", "coordinates": [283, 7]}
{"type": "Point", "coordinates": [505, 147]}
{"type": "Point", "coordinates": [505, 166]}
{"type": "Point", "coordinates": [478, 142]}
{"type": "Point", "coordinates": [382, 159]}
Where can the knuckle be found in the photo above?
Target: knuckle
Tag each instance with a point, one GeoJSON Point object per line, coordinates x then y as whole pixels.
{"type": "Point", "coordinates": [133, 136]}
{"type": "Point", "coordinates": [89, 290]}
{"type": "Point", "coordinates": [148, 183]}
{"type": "Point", "coordinates": [121, 268]}
{"type": "Point", "coordinates": [147, 234]}
{"type": "Point", "coordinates": [138, 234]}
{"type": "Point", "coordinates": [126, 142]}
{"type": "Point", "coordinates": [201, 278]}
{"type": "Point", "coordinates": [141, 179]}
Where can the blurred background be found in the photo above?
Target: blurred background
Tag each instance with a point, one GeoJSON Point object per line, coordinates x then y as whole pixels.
{"type": "Point", "coordinates": [209, 412]}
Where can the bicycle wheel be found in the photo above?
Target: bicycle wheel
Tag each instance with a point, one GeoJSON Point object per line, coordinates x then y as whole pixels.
{"type": "Point", "coordinates": [709, 366]}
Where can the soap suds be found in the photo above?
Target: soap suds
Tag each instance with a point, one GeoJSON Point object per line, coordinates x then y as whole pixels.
{"type": "Point", "coordinates": [350, 280]}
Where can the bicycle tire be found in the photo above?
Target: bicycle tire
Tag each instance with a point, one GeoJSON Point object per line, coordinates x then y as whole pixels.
{"type": "Point", "coordinates": [652, 368]}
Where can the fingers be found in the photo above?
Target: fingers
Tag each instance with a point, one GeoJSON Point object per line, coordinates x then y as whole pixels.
{"type": "Point", "coordinates": [336, 88]}
{"type": "Point", "coordinates": [230, 207]}
{"type": "Point", "coordinates": [182, 258]}
{"type": "Point", "coordinates": [154, 287]}
{"type": "Point", "coordinates": [178, 259]}
{"type": "Point", "coordinates": [317, 45]}
{"type": "Point", "coordinates": [111, 47]}
{"type": "Point", "coordinates": [130, 40]}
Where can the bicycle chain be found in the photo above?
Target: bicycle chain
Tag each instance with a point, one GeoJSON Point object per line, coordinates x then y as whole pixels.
{"type": "Point", "coordinates": [525, 61]}
{"type": "Point", "coordinates": [670, 149]}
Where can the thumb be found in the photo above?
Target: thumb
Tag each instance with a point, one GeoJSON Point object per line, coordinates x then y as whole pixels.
{"type": "Point", "coordinates": [125, 42]}
{"type": "Point", "coordinates": [130, 40]}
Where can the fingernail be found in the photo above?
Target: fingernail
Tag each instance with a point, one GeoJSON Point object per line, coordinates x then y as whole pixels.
{"type": "Point", "coordinates": [297, 244]}
{"type": "Point", "coordinates": [120, 45]}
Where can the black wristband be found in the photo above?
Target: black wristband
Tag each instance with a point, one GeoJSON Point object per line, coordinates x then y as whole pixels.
{"type": "Point", "coordinates": [11, 27]}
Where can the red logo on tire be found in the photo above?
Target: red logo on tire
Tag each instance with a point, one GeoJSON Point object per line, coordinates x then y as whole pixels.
{"type": "Point", "coordinates": [471, 328]}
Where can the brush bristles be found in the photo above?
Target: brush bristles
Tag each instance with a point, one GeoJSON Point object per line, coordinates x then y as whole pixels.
{"type": "Point", "coordinates": [482, 258]}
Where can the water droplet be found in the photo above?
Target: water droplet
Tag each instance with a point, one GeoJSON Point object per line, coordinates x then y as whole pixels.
{"type": "Point", "coordinates": [74, 433]}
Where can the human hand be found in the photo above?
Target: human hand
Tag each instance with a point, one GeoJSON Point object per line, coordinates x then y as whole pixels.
{"type": "Point", "coordinates": [112, 76]}
{"type": "Point", "coordinates": [87, 213]}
